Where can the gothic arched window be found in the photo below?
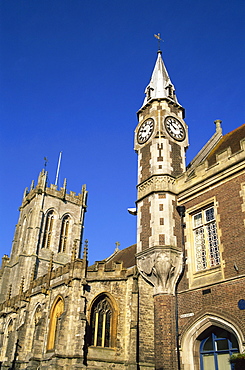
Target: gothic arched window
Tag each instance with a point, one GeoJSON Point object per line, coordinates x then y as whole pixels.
{"type": "Point", "coordinates": [102, 322]}
{"type": "Point", "coordinates": [64, 234]}
{"type": "Point", "coordinates": [9, 340]}
{"type": "Point", "coordinates": [216, 348]}
{"type": "Point", "coordinates": [48, 229]}
{"type": "Point", "coordinates": [56, 312]}
{"type": "Point", "coordinates": [38, 314]}
{"type": "Point", "coordinates": [23, 232]}
{"type": "Point", "coordinates": [35, 330]}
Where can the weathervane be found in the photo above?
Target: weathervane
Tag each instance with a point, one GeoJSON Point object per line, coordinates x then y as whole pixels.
{"type": "Point", "coordinates": [158, 36]}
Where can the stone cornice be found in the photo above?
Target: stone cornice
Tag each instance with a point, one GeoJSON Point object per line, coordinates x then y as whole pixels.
{"type": "Point", "coordinates": [226, 167]}
{"type": "Point", "coordinates": [157, 183]}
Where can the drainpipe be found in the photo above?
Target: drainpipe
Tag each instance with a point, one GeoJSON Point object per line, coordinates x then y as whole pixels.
{"type": "Point", "coordinates": [181, 212]}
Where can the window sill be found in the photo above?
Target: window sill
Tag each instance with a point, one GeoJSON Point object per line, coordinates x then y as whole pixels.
{"type": "Point", "coordinates": [207, 271]}
{"type": "Point", "coordinates": [206, 277]}
{"type": "Point", "coordinates": [101, 353]}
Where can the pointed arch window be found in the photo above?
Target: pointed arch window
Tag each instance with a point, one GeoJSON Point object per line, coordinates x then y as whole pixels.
{"type": "Point", "coordinates": [216, 348]}
{"type": "Point", "coordinates": [38, 314]}
{"type": "Point", "coordinates": [9, 340]}
{"type": "Point", "coordinates": [23, 231]}
{"type": "Point", "coordinates": [22, 234]}
{"type": "Point", "coordinates": [56, 311]}
{"type": "Point", "coordinates": [48, 229]}
{"type": "Point", "coordinates": [64, 234]}
{"type": "Point", "coordinates": [35, 332]}
{"type": "Point", "coordinates": [103, 318]}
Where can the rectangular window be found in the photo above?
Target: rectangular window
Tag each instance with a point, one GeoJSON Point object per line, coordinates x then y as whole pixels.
{"type": "Point", "coordinates": [205, 239]}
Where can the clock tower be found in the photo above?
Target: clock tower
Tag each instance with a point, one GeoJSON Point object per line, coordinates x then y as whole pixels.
{"type": "Point", "coordinates": [161, 140]}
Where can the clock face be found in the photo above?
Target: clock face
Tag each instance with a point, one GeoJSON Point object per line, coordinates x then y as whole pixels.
{"type": "Point", "coordinates": [145, 131]}
{"type": "Point", "coordinates": [175, 128]}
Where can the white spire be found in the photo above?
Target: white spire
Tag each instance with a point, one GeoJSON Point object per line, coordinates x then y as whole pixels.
{"type": "Point", "coordinates": [160, 85]}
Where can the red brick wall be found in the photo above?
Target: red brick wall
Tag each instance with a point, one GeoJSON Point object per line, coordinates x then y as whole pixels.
{"type": "Point", "coordinates": [145, 223]}
{"type": "Point", "coordinates": [222, 301]}
{"type": "Point", "coordinates": [232, 226]}
{"type": "Point", "coordinates": [145, 162]}
{"type": "Point", "coordinates": [230, 222]}
{"type": "Point", "coordinates": [176, 158]}
{"type": "Point", "coordinates": [165, 341]}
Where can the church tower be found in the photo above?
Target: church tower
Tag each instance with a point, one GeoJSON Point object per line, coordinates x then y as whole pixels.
{"type": "Point", "coordinates": [161, 140]}
{"type": "Point", "coordinates": [48, 233]}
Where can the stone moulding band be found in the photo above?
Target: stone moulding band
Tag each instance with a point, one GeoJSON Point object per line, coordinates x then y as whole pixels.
{"type": "Point", "coordinates": [156, 183]}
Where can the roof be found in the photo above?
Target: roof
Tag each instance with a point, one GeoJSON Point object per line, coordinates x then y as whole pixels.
{"type": "Point", "coordinates": [207, 148]}
{"type": "Point", "coordinates": [160, 85]}
{"type": "Point", "coordinates": [126, 256]}
{"type": "Point", "coordinates": [231, 140]}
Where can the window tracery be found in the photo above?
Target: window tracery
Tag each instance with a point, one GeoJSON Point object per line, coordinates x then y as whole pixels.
{"type": "Point", "coordinates": [206, 239]}
{"type": "Point", "coordinates": [48, 229]}
{"type": "Point", "coordinates": [38, 314]}
{"type": "Point", "coordinates": [102, 322]}
{"type": "Point", "coordinates": [56, 311]}
{"type": "Point", "coordinates": [64, 234]}
{"type": "Point", "coordinates": [8, 343]}
{"type": "Point", "coordinates": [216, 348]}
{"type": "Point", "coordinates": [23, 231]}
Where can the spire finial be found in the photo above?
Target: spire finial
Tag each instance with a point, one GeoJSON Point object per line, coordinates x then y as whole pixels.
{"type": "Point", "coordinates": [9, 292]}
{"type": "Point", "coordinates": [158, 37]}
{"type": "Point", "coordinates": [218, 126]}
{"type": "Point", "coordinates": [85, 251]}
{"type": "Point", "coordinates": [74, 251]}
{"type": "Point", "coordinates": [45, 162]}
{"type": "Point", "coordinates": [21, 290]}
{"type": "Point", "coordinates": [33, 272]}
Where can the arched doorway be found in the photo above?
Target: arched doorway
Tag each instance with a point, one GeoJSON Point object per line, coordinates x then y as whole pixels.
{"type": "Point", "coordinates": [216, 347]}
{"type": "Point", "coordinates": [209, 341]}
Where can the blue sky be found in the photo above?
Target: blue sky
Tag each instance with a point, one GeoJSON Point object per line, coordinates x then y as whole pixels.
{"type": "Point", "coordinates": [72, 77]}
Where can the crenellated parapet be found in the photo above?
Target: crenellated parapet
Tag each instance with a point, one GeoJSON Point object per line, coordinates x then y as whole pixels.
{"type": "Point", "coordinates": [5, 261]}
{"type": "Point", "coordinates": [52, 190]}
{"type": "Point", "coordinates": [63, 275]}
{"type": "Point", "coordinates": [101, 270]}
{"type": "Point", "coordinates": [51, 222]}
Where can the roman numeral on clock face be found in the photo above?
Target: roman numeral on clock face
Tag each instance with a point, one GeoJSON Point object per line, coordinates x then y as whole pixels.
{"type": "Point", "coordinates": [145, 131]}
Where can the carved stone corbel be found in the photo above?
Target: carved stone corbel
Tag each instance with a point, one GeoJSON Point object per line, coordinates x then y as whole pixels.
{"type": "Point", "coordinates": [161, 267]}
